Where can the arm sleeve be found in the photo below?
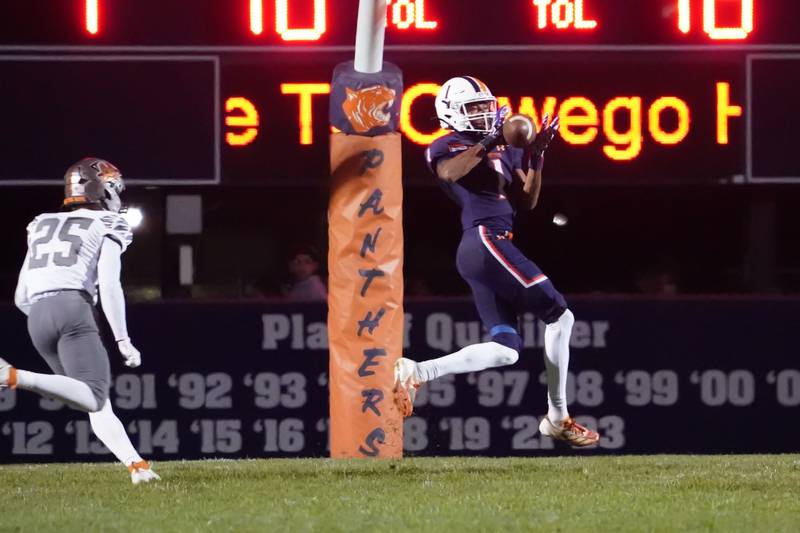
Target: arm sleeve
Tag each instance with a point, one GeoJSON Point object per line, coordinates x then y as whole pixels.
{"type": "Point", "coordinates": [116, 228]}
{"type": "Point", "coordinates": [21, 299]}
{"type": "Point", "coordinates": [21, 296]}
{"type": "Point", "coordinates": [109, 267]}
{"type": "Point", "coordinates": [518, 157]}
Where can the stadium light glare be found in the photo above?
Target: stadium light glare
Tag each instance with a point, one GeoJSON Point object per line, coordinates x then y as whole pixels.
{"type": "Point", "coordinates": [134, 216]}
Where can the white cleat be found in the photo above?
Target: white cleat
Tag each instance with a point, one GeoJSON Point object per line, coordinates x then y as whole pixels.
{"type": "Point", "coordinates": [569, 431]}
{"type": "Point", "coordinates": [142, 473]}
{"type": "Point", "coordinates": [405, 385]}
{"type": "Point", "coordinates": [6, 378]}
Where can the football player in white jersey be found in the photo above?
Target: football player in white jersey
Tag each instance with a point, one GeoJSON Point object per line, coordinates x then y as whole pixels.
{"type": "Point", "coordinates": [72, 254]}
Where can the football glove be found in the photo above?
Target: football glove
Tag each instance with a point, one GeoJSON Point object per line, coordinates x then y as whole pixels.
{"type": "Point", "coordinates": [545, 137]}
{"type": "Point", "coordinates": [534, 156]}
{"type": "Point", "coordinates": [132, 356]}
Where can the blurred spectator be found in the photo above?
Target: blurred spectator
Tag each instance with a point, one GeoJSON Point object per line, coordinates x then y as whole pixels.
{"type": "Point", "coordinates": [306, 285]}
{"type": "Point", "coordinates": [416, 286]}
{"type": "Point", "coordinates": [657, 282]}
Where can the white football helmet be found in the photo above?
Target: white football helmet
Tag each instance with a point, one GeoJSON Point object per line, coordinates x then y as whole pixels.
{"type": "Point", "coordinates": [452, 100]}
{"type": "Point", "coordinates": [93, 181]}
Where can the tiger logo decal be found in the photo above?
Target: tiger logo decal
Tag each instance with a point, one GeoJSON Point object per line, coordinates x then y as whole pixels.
{"type": "Point", "coordinates": [106, 171]}
{"type": "Point", "coordinates": [369, 108]}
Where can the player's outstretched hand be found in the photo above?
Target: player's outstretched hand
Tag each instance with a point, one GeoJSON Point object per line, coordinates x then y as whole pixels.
{"type": "Point", "coordinates": [500, 117]}
{"type": "Point", "coordinates": [546, 135]}
{"type": "Point", "coordinates": [132, 356]}
{"type": "Point", "coordinates": [495, 137]}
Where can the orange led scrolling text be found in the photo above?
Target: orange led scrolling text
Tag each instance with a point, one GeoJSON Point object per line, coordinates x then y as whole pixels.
{"type": "Point", "coordinates": [621, 125]}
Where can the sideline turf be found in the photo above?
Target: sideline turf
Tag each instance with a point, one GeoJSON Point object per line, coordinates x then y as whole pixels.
{"type": "Point", "coordinates": [599, 494]}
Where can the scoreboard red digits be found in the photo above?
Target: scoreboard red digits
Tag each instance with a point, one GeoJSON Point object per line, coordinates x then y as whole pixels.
{"type": "Point", "coordinates": [711, 25]}
{"type": "Point", "coordinates": [92, 15]}
{"type": "Point", "coordinates": [562, 15]}
{"type": "Point", "coordinates": [288, 33]}
{"type": "Point", "coordinates": [257, 17]}
{"type": "Point", "coordinates": [405, 14]}
{"type": "Point", "coordinates": [474, 22]}
{"type": "Point", "coordinates": [571, 15]}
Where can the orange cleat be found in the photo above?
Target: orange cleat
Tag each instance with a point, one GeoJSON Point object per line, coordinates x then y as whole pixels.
{"type": "Point", "coordinates": [141, 473]}
{"type": "Point", "coordinates": [405, 385]}
{"type": "Point", "coordinates": [8, 375]}
{"type": "Point", "coordinates": [569, 431]}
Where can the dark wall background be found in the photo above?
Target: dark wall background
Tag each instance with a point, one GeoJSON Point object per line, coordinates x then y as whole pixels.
{"type": "Point", "coordinates": [688, 375]}
{"type": "Point", "coordinates": [654, 240]}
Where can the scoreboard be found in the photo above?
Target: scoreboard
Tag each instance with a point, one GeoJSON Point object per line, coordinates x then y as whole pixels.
{"type": "Point", "coordinates": [236, 91]}
{"type": "Point", "coordinates": [422, 22]}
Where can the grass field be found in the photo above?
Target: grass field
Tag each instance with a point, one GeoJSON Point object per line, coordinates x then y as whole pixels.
{"type": "Point", "coordinates": [656, 493]}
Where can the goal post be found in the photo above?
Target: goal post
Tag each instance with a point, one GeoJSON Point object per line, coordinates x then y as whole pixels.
{"type": "Point", "coordinates": [365, 259]}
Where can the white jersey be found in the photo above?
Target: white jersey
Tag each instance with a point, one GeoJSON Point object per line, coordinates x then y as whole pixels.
{"type": "Point", "coordinates": [63, 250]}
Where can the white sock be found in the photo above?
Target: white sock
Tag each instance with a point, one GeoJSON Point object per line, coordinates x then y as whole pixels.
{"type": "Point", "coordinates": [556, 362]}
{"type": "Point", "coordinates": [72, 392]}
{"type": "Point", "coordinates": [111, 432]}
{"type": "Point", "coordinates": [472, 358]}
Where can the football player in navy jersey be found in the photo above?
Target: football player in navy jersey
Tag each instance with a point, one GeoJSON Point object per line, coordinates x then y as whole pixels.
{"type": "Point", "coordinates": [475, 166]}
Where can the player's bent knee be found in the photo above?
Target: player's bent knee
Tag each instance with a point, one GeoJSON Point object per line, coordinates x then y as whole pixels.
{"type": "Point", "coordinates": [100, 390]}
{"type": "Point", "coordinates": [506, 356]}
{"type": "Point", "coordinates": [507, 348]}
{"type": "Point", "coordinates": [567, 319]}
{"type": "Point", "coordinates": [509, 340]}
{"type": "Point", "coordinates": [554, 308]}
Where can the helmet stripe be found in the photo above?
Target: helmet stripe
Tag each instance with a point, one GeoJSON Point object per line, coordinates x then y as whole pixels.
{"type": "Point", "coordinates": [483, 86]}
{"type": "Point", "coordinates": [472, 82]}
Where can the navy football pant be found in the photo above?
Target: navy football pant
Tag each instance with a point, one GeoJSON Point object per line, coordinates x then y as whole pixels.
{"type": "Point", "coordinates": [504, 284]}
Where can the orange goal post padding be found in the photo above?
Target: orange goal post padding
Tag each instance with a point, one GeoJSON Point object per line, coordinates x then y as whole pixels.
{"type": "Point", "coordinates": [365, 300]}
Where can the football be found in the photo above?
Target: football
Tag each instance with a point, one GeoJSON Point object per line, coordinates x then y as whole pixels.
{"type": "Point", "coordinates": [519, 130]}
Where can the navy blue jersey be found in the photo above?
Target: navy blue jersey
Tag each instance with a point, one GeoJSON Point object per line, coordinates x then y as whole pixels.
{"type": "Point", "coordinates": [481, 194]}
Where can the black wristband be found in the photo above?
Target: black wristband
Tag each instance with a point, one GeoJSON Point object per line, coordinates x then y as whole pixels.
{"type": "Point", "coordinates": [492, 139]}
